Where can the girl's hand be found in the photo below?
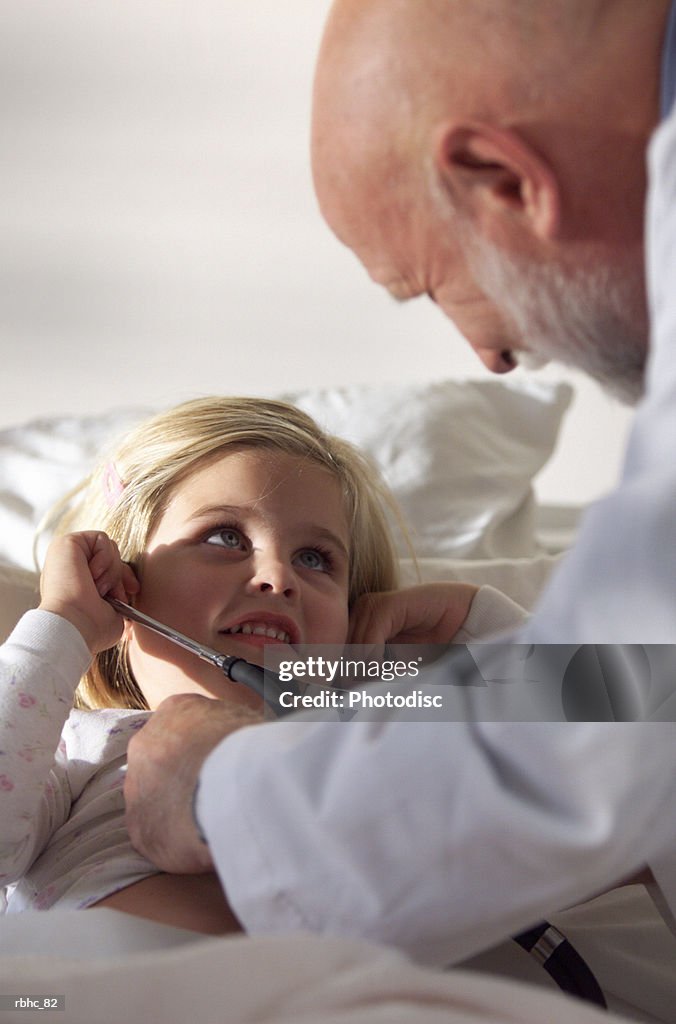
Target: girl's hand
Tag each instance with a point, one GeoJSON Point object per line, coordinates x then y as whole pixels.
{"type": "Point", "coordinates": [80, 570]}
{"type": "Point", "coordinates": [429, 613]}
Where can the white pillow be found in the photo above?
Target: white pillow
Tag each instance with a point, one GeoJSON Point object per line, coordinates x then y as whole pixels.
{"type": "Point", "coordinates": [459, 455]}
{"type": "Point", "coordinates": [18, 593]}
{"type": "Point", "coordinates": [40, 462]}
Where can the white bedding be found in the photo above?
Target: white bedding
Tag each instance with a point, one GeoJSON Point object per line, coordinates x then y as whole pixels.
{"type": "Point", "coordinates": [111, 967]}
{"type": "Point", "coordinates": [293, 980]}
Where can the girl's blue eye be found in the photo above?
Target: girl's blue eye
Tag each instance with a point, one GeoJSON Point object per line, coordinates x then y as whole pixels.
{"type": "Point", "coordinates": [228, 538]}
{"type": "Point", "coordinates": [313, 559]}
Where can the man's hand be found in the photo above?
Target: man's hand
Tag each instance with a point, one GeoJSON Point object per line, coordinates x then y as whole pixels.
{"type": "Point", "coordinates": [164, 762]}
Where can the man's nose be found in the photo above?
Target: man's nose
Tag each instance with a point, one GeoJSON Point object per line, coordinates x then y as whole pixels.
{"type": "Point", "coordinates": [478, 321]}
{"type": "Point", "coordinates": [496, 361]}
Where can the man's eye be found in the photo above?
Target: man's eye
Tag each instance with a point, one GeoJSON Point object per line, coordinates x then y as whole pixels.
{"type": "Point", "coordinates": [227, 538]}
{"type": "Point", "coordinates": [313, 559]}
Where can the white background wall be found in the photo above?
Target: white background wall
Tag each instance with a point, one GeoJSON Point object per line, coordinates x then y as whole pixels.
{"type": "Point", "coordinates": [159, 237]}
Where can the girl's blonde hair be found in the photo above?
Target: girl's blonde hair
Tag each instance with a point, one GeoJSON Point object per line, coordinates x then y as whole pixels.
{"type": "Point", "coordinates": [127, 494]}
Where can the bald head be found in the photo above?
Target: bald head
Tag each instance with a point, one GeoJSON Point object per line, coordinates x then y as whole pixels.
{"type": "Point", "coordinates": [484, 55]}
{"type": "Point", "coordinates": [389, 70]}
{"type": "Point", "coordinates": [436, 121]}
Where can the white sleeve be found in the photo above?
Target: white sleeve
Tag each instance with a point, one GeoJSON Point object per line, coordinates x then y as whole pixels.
{"type": "Point", "coordinates": [490, 613]}
{"type": "Point", "coordinates": [441, 838]}
{"type": "Point", "coordinates": [41, 664]}
{"type": "Point", "coordinates": [437, 838]}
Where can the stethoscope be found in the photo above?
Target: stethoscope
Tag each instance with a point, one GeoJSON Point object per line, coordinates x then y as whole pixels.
{"type": "Point", "coordinates": [546, 944]}
{"type": "Point", "coordinates": [262, 681]}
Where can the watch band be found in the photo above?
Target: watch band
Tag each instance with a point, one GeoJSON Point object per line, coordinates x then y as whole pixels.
{"type": "Point", "coordinates": [552, 950]}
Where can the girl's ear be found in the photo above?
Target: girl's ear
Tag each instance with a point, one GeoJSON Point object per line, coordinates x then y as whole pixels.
{"type": "Point", "coordinates": [498, 179]}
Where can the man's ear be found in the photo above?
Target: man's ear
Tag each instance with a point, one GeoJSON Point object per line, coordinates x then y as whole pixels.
{"type": "Point", "coordinates": [493, 172]}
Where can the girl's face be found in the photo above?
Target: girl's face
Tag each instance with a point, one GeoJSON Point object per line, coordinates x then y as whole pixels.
{"type": "Point", "coordinates": [252, 549]}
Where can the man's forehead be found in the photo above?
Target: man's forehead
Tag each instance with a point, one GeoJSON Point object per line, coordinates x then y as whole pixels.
{"type": "Point", "coordinates": [382, 240]}
{"type": "Point", "coordinates": [364, 80]}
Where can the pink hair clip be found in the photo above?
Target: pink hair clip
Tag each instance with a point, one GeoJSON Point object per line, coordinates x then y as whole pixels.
{"type": "Point", "coordinates": [113, 487]}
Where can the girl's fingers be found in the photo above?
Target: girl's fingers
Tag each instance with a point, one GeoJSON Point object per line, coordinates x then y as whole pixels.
{"type": "Point", "coordinates": [102, 556]}
{"type": "Point", "coordinates": [103, 585]}
{"type": "Point", "coordinates": [129, 579]}
{"type": "Point", "coordinates": [110, 574]}
{"type": "Point", "coordinates": [371, 622]}
{"type": "Point", "coordinates": [121, 591]}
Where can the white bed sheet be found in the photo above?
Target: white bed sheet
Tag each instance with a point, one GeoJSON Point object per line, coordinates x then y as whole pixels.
{"type": "Point", "coordinates": [298, 979]}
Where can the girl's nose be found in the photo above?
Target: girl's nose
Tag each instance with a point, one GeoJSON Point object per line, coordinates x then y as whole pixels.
{"type": "Point", "coordinates": [274, 576]}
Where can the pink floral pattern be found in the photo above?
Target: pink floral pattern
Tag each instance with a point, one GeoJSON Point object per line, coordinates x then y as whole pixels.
{"type": "Point", "coordinates": [53, 763]}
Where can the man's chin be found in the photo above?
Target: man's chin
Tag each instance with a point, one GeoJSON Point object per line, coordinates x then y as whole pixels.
{"type": "Point", "coordinates": [530, 361]}
{"type": "Point", "coordinates": [592, 318]}
{"type": "Point", "coordinates": [626, 392]}
{"type": "Point", "coordinates": [626, 384]}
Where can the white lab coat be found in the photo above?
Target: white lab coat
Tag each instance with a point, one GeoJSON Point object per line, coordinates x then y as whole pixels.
{"type": "Point", "coordinates": [441, 838]}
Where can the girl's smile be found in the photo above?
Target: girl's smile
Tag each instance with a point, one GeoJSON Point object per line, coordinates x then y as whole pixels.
{"type": "Point", "coordinates": [252, 549]}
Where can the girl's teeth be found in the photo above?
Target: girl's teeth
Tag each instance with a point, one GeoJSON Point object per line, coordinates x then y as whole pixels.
{"type": "Point", "coordinates": [261, 630]}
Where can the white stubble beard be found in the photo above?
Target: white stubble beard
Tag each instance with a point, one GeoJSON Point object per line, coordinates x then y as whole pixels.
{"type": "Point", "coordinates": [588, 317]}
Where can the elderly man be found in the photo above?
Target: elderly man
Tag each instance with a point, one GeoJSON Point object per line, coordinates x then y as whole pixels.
{"type": "Point", "coordinates": [492, 155]}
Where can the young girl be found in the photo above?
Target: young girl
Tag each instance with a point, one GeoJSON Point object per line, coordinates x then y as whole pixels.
{"type": "Point", "coordinates": [244, 525]}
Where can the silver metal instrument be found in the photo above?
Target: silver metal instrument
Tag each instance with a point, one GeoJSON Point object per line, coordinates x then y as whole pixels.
{"type": "Point", "coordinates": [262, 681]}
